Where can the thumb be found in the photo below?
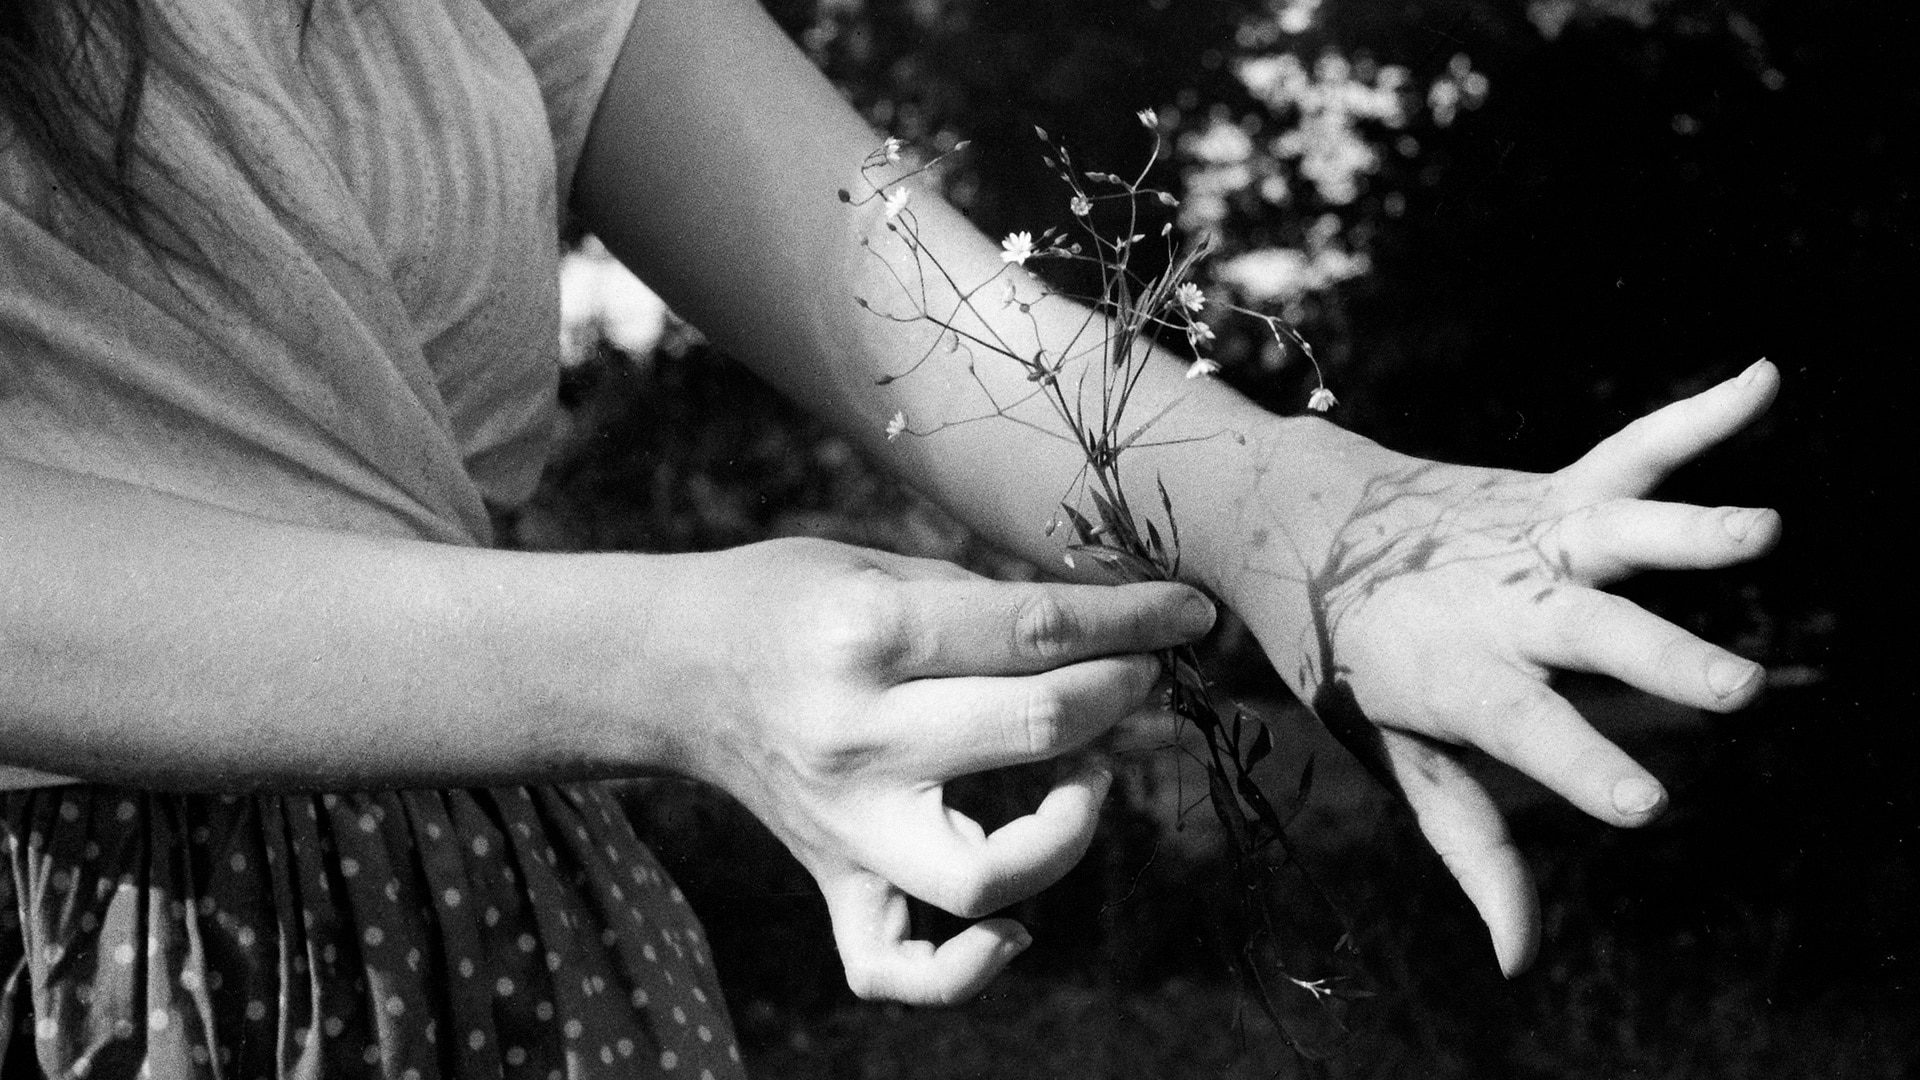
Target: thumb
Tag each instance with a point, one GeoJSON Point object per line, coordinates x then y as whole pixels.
{"type": "Point", "coordinates": [871, 927]}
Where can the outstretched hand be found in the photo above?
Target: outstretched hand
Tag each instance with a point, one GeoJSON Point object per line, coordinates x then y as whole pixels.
{"type": "Point", "coordinates": [856, 684]}
{"type": "Point", "coordinates": [1440, 604]}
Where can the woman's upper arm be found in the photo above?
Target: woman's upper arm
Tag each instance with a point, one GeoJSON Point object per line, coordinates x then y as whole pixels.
{"type": "Point", "coordinates": [711, 168]}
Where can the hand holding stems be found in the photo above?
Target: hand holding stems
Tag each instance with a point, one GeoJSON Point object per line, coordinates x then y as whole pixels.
{"type": "Point", "coordinates": [1424, 606]}
{"type": "Point", "coordinates": [1433, 597]}
{"type": "Point", "coordinates": [858, 683]}
{"type": "Point", "coordinates": [155, 641]}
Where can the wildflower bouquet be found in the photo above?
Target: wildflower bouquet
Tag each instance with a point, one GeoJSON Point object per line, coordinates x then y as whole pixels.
{"type": "Point", "coordinates": [1295, 958]}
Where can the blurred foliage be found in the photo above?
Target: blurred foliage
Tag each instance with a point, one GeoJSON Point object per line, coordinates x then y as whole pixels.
{"type": "Point", "coordinates": [1651, 194]}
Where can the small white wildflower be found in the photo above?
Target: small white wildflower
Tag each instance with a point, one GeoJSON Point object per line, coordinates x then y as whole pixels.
{"type": "Point", "coordinates": [1198, 333]}
{"type": "Point", "coordinates": [1189, 296]}
{"type": "Point", "coordinates": [896, 425]}
{"type": "Point", "coordinates": [1321, 400]}
{"type": "Point", "coordinates": [892, 150]}
{"type": "Point", "coordinates": [1202, 367]}
{"type": "Point", "coordinates": [1081, 206]}
{"type": "Point", "coordinates": [1149, 119]}
{"type": "Point", "coordinates": [896, 201]}
{"type": "Point", "coordinates": [1017, 248]}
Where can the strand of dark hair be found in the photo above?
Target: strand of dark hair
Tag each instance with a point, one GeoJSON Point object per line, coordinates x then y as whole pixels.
{"type": "Point", "coordinates": [73, 74]}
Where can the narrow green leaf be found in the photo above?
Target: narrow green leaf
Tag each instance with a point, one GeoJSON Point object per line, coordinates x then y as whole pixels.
{"type": "Point", "coordinates": [1129, 566]}
{"type": "Point", "coordinates": [1173, 523]}
{"type": "Point", "coordinates": [1262, 746]}
{"type": "Point", "coordinates": [1142, 429]}
{"type": "Point", "coordinates": [1082, 528]}
{"type": "Point", "coordinates": [1110, 515]}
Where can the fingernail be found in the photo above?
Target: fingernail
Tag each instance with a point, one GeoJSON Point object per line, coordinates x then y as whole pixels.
{"type": "Point", "coordinates": [1197, 614]}
{"type": "Point", "coordinates": [1637, 796]}
{"type": "Point", "coordinates": [1739, 523]}
{"type": "Point", "coordinates": [1727, 676]}
{"type": "Point", "coordinates": [1020, 939]}
{"type": "Point", "coordinates": [1101, 778]}
{"type": "Point", "coordinates": [1753, 371]}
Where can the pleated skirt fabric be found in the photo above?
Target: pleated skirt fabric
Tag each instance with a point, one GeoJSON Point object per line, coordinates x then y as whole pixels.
{"type": "Point", "coordinates": [518, 933]}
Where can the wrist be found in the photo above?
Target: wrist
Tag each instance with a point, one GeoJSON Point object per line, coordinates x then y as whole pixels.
{"type": "Point", "coordinates": [611, 674]}
{"type": "Point", "coordinates": [1269, 519]}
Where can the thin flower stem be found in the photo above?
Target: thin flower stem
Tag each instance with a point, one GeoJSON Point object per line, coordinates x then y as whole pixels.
{"type": "Point", "coordinates": [1109, 347]}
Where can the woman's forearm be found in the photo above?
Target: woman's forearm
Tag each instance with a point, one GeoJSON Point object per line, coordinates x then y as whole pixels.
{"type": "Point", "coordinates": [149, 640]}
{"type": "Point", "coordinates": [722, 193]}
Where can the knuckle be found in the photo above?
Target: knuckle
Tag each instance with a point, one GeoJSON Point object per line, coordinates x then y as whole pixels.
{"type": "Point", "coordinates": [1454, 703]}
{"type": "Point", "coordinates": [1526, 708]}
{"type": "Point", "coordinates": [1680, 652]}
{"type": "Point", "coordinates": [1044, 627]}
{"type": "Point", "coordinates": [1578, 616]}
{"type": "Point", "coordinates": [1043, 721]}
{"type": "Point", "coordinates": [970, 895]}
{"type": "Point", "coordinates": [946, 994]}
{"type": "Point", "coordinates": [862, 622]}
{"type": "Point", "coordinates": [866, 980]}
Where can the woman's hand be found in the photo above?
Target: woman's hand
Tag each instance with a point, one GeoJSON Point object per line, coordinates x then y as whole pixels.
{"type": "Point", "coordinates": [1439, 598]}
{"type": "Point", "coordinates": [850, 685]}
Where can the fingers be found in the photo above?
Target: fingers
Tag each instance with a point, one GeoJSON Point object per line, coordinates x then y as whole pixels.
{"type": "Point", "coordinates": [944, 858]}
{"type": "Point", "coordinates": [1464, 827]}
{"type": "Point", "coordinates": [870, 926]}
{"type": "Point", "coordinates": [1620, 537]}
{"type": "Point", "coordinates": [997, 628]}
{"type": "Point", "coordinates": [1638, 457]}
{"type": "Point", "coordinates": [952, 727]}
{"type": "Point", "coordinates": [1513, 716]}
{"type": "Point", "coordinates": [1596, 632]}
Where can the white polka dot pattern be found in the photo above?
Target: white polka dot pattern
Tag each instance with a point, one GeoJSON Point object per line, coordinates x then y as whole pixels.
{"type": "Point", "coordinates": [318, 948]}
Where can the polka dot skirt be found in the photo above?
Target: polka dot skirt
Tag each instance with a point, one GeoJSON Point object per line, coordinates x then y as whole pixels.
{"type": "Point", "coordinates": [517, 934]}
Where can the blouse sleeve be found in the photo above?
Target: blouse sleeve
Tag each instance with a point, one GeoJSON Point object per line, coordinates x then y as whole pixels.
{"type": "Point", "coordinates": [571, 46]}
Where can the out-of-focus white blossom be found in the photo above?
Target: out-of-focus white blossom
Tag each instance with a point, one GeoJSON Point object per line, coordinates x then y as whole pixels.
{"type": "Point", "coordinates": [1221, 142]}
{"type": "Point", "coordinates": [1460, 88]}
{"type": "Point", "coordinates": [1222, 154]}
{"type": "Point", "coordinates": [1017, 248]}
{"type": "Point", "coordinates": [600, 300]}
{"type": "Point", "coordinates": [1198, 333]}
{"type": "Point", "coordinates": [1287, 275]}
{"type": "Point", "coordinates": [1550, 17]}
{"type": "Point", "coordinates": [1296, 16]}
{"type": "Point", "coordinates": [1283, 18]}
{"type": "Point", "coordinates": [896, 425]}
{"type": "Point", "coordinates": [892, 150]}
{"type": "Point", "coordinates": [1329, 104]}
{"type": "Point", "coordinates": [1320, 130]}
{"type": "Point", "coordinates": [896, 201]}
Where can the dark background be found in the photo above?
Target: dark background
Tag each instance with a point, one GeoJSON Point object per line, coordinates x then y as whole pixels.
{"type": "Point", "coordinates": [1649, 198]}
